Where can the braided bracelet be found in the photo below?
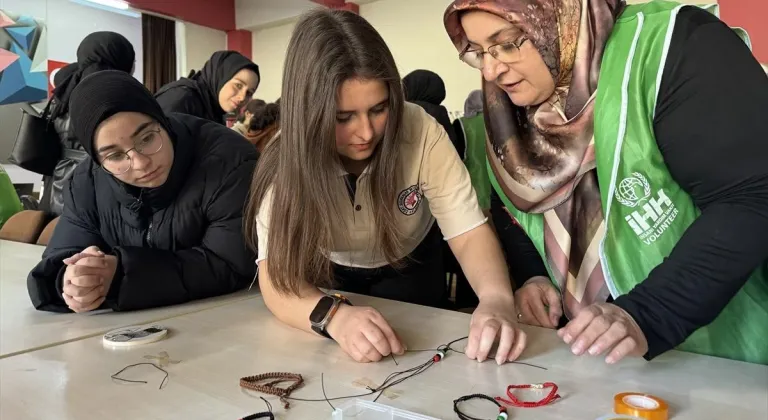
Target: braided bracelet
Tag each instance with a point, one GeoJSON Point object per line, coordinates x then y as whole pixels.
{"type": "Point", "coordinates": [553, 395]}
{"type": "Point", "coordinates": [502, 410]}
{"type": "Point", "coordinates": [253, 383]}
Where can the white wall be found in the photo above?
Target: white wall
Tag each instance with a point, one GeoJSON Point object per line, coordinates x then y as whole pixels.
{"type": "Point", "coordinates": [200, 44]}
{"type": "Point", "coordinates": [256, 13]}
{"type": "Point", "coordinates": [269, 46]}
{"type": "Point", "coordinates": [68, 23]}
{"type": "Point", "coordinates": [416, 36]}
{"type": "Point", "coordinates": [413, 31]}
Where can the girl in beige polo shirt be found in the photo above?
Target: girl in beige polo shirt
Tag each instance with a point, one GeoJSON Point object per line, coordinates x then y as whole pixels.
{"type": "Point", "coordinates": [348, 197]}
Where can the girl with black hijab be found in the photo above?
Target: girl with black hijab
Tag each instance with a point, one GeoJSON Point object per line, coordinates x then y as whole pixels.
{"type": "Point", "coordinates": [98, 51]}
{"type": "Point", "coordinates": [154, 217]}
{"type": "Point", "coordinates": [427, 90]}
{"type": "Point", "coordinates": [226, 82]}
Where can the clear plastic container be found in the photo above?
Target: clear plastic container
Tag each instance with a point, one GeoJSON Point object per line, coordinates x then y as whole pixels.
{"type": "Point", "coordinates": [366, 410]}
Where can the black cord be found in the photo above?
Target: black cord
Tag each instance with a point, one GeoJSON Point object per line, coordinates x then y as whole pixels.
{"type": "Point", "coordinates": [449, 347]}
{"type": "Point", "coordinates": [528, 364]}
{"type": "Point", "coordinates": [115, 376]}
{"type": "Point", "coordinates": [463, 416]}
{"type": "Point", "coordinates": [398, 377]}
{"type": "Point", "coordinates": [322, 385]}
{"type": "Point", "coordinates": [329, 399]}
{"type": "Point", "coordinates": [265, 414]}
{"type": "Point", "coordinates": [394, 378]}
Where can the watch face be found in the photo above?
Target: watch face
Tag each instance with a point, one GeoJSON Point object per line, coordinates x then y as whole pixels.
{"type": "Point", "coordinates": [321, 310]}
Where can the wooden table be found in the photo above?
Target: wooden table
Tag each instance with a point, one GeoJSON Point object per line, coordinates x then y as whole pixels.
{"type": "Point", "coordinates": [23, 329]}
{"type": "Point", "coordinates": [218, 346]}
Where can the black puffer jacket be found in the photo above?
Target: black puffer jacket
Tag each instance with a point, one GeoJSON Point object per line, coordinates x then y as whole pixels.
{"type": "Point", "coordinates": [72, 154]}
{"type": "Point", "coordinates": [175, 243]}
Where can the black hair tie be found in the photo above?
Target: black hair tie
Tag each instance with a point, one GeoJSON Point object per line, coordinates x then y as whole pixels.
{"type": "Point", "coordinates": [264, 414]}
{"type": "Point", "coordinates": [502, 410]}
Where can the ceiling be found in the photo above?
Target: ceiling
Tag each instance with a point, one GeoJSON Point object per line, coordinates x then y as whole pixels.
{"type": "Point", "coordinates": [255, 14]}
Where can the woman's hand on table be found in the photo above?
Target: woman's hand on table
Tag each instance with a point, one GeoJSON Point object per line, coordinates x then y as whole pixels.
{"type": "Point", "coordinates": [604, 327]}
{"type": "Point", "coordinates": [364, 334]}
{"type": "Point", "coordinates": [495, 319]}
{"type": "Point", "coordinates": [538, 303]}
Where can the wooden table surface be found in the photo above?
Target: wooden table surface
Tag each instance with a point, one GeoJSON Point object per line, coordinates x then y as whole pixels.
{"type": "Point", "coordinates": [23, 328]}
{"type": "Point", "coordinates": [218, 346]}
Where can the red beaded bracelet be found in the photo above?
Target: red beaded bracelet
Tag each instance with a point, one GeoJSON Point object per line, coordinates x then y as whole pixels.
{"type": "Point", "coordinates": [513, 401]}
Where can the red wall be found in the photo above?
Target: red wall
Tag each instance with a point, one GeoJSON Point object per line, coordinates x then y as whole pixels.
{"type": "Point", "coordinates": [339, 4]}
{"type": "Point", "coordinates": [241, 41]}
{"type": "Point", "coordinates": [216, 14]}
{"type": "Point", "coordinates": [751, 15]}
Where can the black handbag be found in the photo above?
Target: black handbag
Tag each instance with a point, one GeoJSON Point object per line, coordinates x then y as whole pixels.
{"type": "Point", "coordinates": [37, 147]}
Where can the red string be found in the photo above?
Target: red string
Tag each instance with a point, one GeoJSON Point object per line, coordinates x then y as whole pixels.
{"type": "Point", "coordinates": [513, 401]}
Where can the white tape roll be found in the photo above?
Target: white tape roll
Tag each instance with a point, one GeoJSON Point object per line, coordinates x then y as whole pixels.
{"type": "Point", "coordinates": [134, 336]}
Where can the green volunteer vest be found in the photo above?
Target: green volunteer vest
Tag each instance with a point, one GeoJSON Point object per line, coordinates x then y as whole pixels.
{"type": "Point", "coordinates": [9, 200]}
{"type": "Point", "coordinates": [646, 211]}
{"type": "Point", "coordinates": [476, 159]}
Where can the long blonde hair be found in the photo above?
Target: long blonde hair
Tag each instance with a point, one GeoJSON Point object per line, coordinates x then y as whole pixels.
{"type": "Point", "coordinates": [326, 49]}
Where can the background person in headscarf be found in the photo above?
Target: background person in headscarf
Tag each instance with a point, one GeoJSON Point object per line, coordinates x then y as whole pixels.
{"type": "Point", "coordinates": [228, 79]}
{"type": "Point", "coordinates": [473, 106]}
{"type": "Point", "coordinates": [98, 51]}
{"type": "Point", "coordinates": [470, 134]}
{"type": "Point", "coordinates": [427, 90]}
{"type": "Point", "coordinates": [259, 122]}
{"type": "Point", "coordinates": [629, 142]}
{"type": "Point", "coordinates": [154, 217]}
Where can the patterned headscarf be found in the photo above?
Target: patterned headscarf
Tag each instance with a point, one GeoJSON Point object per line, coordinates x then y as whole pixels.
{"type": "Point", "coordinates": [543, 156]}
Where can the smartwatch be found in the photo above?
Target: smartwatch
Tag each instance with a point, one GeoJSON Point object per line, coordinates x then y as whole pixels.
{"type": "Point", "coordinates": [324, 311]}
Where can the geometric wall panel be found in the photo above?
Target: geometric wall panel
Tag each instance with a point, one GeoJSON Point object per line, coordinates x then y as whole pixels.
{"type": "Point", "coordinates": [23, 75]}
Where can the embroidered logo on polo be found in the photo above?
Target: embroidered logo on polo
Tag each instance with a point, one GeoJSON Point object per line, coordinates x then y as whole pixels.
{"type": "Point", "coordinates": [409, 200]}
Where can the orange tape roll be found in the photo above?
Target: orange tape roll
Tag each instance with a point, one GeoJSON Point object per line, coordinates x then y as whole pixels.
{"type": "Point", "coordinates": [643, 406]}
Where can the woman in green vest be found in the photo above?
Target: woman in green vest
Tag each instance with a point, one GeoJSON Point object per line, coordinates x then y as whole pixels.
{"type": "Point", "coordinates": [629, 142]}
{"type": "Point", "coordinates": [470, 129]}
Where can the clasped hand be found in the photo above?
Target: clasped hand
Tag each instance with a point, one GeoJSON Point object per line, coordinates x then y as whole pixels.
{"type": "Point", "coordinates": [87, 279]}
